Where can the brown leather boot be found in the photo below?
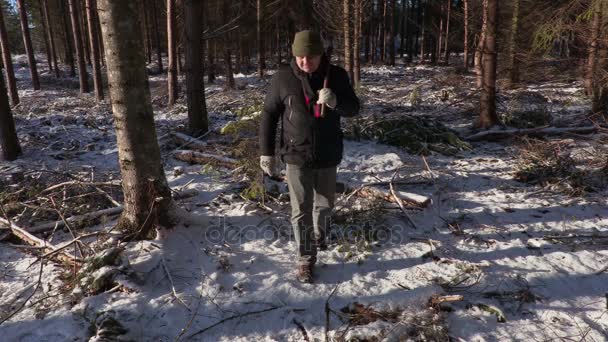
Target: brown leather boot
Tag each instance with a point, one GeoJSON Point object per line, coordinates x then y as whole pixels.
{"type": "Point", "coordinates": [304, 272]}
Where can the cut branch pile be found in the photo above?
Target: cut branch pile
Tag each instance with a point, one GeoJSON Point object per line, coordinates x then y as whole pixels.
{"type": "Point", "coordinates": [552, 164]}
{"type": "Point", "coordinates": [416, 134]}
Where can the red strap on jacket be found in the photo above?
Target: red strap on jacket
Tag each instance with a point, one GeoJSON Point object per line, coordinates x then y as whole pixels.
{"type": "Point", "coordinates": [317, 107]}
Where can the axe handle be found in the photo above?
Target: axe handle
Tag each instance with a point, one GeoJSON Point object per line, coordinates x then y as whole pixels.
{"type": "Point", "coordinates": [325, 85]}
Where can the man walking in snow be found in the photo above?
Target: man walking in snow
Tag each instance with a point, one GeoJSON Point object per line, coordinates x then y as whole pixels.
{"type": "Point", "coordinates": [311, 140]}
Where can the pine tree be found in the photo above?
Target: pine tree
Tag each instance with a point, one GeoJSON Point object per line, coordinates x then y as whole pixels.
{"type": "Point", "coordinates": [147, 197]}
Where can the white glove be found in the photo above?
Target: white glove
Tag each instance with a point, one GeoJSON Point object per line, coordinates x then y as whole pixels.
{"type": "Point", "coordinates": [269, 165]}
{"type": "Point", "coordinates": [327, 97]}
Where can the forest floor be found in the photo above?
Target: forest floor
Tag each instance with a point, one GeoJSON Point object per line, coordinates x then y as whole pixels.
{"type": "Point", "coordinates": [519, 240]}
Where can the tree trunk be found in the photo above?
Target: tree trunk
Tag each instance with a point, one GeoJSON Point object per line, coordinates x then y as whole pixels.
{"type": "Point", "coordinates": [466, 34]}
{"type": "Point", "coordinates": [260, 39]}
{"type": "Point", "coordinates": [391, 32]}
{"type": "Point", "coordinates": [348, 57]}
{"type": "Point", "coordinates": [481, 45]}
{"type": "Point", "coordinates": [227, 51]}
{"type": "Point", "coordinates": [159, 54]}
{"type": "Point", "coordinates": [356, 39]}
{"type": "Point", "coordinates": [195, 88]}
{"type": "Point", "coordinates": [8, 63]}
{"type": "Point", "coordinates": [513, 68]}
{"type": "Point", "coordinates": [384, 31]}
{"type": "Point", "coordinates": [27, 42]}
{"type": "Point", "coordinates": [69, 49]}
{"type": "Point", "coordinates": [49, 33]}
{"type": "Point", "coordinates": [592, 60]}
{"type": "Point", "coordinates": [423, 33]}
{"type": "Point", "coordinates": [47, 48]}
{"type": "Point", "coordinates": [211, 61]}
{"type": "Point", "coordinates": [147, 198]}
{"type": "Point", "coordinates": [172, 54]}
{"type": "Point", "coordinates": [440, 35]}
{"type": "Point", "coordinates": [373, 32]}
{"type": "Point", "coordinates": [82, 68]}
{"type": "Point", "coordinates": [488, 116]}
{"type": "Point", "coordinates": [9, 143]}
{"type": "Point", "coordinates": [84, 29]}
{"type": "Point", "coordinates": [278, 42]}
{"type": "Point", "coordinates": [147, 33]}
{"type": "Point", "coordinates": [402, 27]}
{"type": "Point", "coordinates": [92, 19]}
{"type": "Point", "coordinates": [446, 52]}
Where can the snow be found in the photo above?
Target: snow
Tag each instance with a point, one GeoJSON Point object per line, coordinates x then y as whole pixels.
{"type": "Point", "coordinates": [231, 258]}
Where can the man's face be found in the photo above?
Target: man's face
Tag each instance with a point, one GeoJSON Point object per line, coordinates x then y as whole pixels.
{"type": "Point", "coordinates": [308, 64]}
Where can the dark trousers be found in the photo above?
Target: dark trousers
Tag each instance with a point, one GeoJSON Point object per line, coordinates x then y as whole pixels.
{"type": "Point", "coordinates": [312, 193]}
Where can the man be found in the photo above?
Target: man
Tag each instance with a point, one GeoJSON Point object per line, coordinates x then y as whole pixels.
{"type": "Point", "coordinates": [311, 140]}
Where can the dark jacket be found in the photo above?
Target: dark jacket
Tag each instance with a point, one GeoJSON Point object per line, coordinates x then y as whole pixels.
{"type": "Point", "coordinates": [306, 140]}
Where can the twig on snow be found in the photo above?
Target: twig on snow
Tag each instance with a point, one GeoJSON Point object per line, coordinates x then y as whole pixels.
{"type": "Point", "coordinates": [28, 298]}
{"type": "Point", "coordinates": [164, 264]}
{"type": "Point", "coordinates": [327, 311]}
{"type": "Point", "coordinates": [233, 317]}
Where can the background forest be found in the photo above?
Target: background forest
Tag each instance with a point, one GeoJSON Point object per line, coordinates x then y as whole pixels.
{"type": "Point", "coordinates": [471, 201]}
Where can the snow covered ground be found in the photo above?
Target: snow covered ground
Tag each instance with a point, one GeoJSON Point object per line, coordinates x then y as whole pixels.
{"type": "Point", "coordinates": [231, 263]}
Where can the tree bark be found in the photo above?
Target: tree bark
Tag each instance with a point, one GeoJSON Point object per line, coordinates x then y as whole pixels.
{"type": "Point", "coordinates": [82, 68]}
{"type": "Point", "coordinates": [69, 48]}
{"type": "Point", "coordinates": [446, 52]}
{"type": "Point", "coordinates": [513, 68]}
{"type": "Point", "coordinates": [172, 54]}
{"type": "Point", "coordinates": [402, 27]}
{"type": "Point", "coordinates": [47, 48]}
{"type": "Point", "coordinates": [9, 143]}
{"type": "Point", "coordinates": [423, 33]}
{"type": "Point", "coordinates": [348, 57]}
{"type": "Point", "coordinates": [391, 33]}
{"type": "Point", "coordinates": [27, 42]}
{"type": "Point", "coordinates": [147, 198]}
{"type": "Point", "coordinates": [211, 61]}
{"type": "Point", "coordinates": [488, 116]}
{"type": "Point", "coordinates": [8, 62]}
{"type": "Point", "coordinates": [384, 31]}
{"type": "Point", "coordinates": [195, 88]}
{"type": "Point", "coordinates": [223, 14]}
{"type": "Point", "coordinates": [440, 35]}
{"type": "Point", "coordinates": [260, 38]}
{"type": "Point", "coordinates": [356, 39]}
{"type": "Point", "coordinates": [481, 45]}
{"type": "Point", "coordinates": [592, 60]}
{"type": "Point", "coordinates": [84, 29]}
{"type": "Point", "coordinates": [92, 19]}
{"type": "Point", "coordinates": [49, 32]}
{"type": "Point", "coordinates": [466, 34]}
{"type": "Point", "coordinates": [159, 55]}
{"type": "Point", "coordinates": [147, 32]}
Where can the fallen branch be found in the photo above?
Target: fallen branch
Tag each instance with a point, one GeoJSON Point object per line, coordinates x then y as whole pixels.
{"type": "Point", "coordinates": [492, 135]}
{"type": "Point", "coordinates": [35, 241]}
{"type": "Point", "coordinates": [436, 300]}
{"type": "Point", "coordinates": [78, 218]}
{"type": "Point", "coordinates": [78, 182]}
{"type": "Point", "coordinates": [231, 318]}
{"type": "Point", "coordinates": [93, 215]}
{"type": "Point", "coordinates": [400, 203]}
{"type": "Point", "coordinates": [416, 200]}
{"type": "Point", "coordinates": [186, 140]}
{"type": "Point", "coordinates": [203, 158]}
